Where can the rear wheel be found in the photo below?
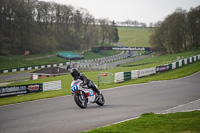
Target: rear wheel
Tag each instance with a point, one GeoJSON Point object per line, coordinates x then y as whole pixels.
{"type": "Point", "coordinates": [101, 100]}
{"type": "Point", "coordinates": [80, 100]}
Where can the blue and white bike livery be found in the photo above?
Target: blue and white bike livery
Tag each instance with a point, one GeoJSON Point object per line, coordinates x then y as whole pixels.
{"type": "Point", "coordinates": [84, 95]}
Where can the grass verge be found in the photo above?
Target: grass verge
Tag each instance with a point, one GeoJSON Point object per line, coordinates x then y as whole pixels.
{"type": "Point", "coordinates": [66, 81]}
{"type": "Point", "coordinates": [184, 122]}
{"type": "Point", "coordinates": [164, 59]}
{"type": "Point", "coordinates": [134, 37]}
{"type": "Point", "coordinates": [7, 62]}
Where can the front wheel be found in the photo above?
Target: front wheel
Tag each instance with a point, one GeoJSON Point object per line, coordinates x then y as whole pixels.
{"type": "Point", "coordinates": [101, 100]}
{"type": "Point", "coordinates": [80, 100]}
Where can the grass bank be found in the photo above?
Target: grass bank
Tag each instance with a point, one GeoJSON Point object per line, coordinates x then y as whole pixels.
{"type": "Point", "coordinates": [134, 37]}
{"type": "Point", "coordinates": [66, 81]}
{"type": "Point", "coordinates": [184, 122]}
{"type": "Point", "coordinates": [19, 61]}
{"type": "Point", "coordinates": [164, 59]}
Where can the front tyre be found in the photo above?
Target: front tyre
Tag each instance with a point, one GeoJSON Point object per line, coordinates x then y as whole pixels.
{"type": "Point", "coordinates": [100, 100]}
{"type": "Point", "coordinates": [80, 100]}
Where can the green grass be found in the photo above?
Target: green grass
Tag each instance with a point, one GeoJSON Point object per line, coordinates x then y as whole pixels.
{"type": "Point", "coordinates": [92, 55]}
{"type": "Point", "coordinates": [184, 122]}
{"type": "Point", "coordinates": [154, 60]}
{"type": "Point", "coordinates": [66, 81]}
{"type": "Point", "coordinates": [173, 74]}
{"type": "Point", "coordinates": [134, 37]}
{"type": "Point", "coordinates": [11, 62]}
{"type": "Point", "coordinates": [17, 61]}
{"type": "Point", "coordinates": [129, 36]}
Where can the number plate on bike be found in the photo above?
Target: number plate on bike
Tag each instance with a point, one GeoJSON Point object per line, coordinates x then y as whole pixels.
{"type": "Point", "coordinates": [74, 88]}
{"type": "Point", "coordinates": [91, 93]}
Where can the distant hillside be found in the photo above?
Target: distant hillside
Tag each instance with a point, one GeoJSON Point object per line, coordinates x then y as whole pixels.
{"type": "Point", "coordinates": [134, 37]}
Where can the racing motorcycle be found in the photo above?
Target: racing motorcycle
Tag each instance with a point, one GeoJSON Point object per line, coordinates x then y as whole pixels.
{"type": "Point", "coordinates": [84, 95]}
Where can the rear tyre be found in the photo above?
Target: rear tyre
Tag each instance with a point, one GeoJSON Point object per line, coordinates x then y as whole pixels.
{"type": "Point", "coordinates": [80, 100]}
{"type": "Point", "coordinates": [101, 100]}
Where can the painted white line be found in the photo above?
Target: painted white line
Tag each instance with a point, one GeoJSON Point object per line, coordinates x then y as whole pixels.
{"type": "Point", "coordinates": [113, 123]}
{"type": "Point", "coordinates": [180, 106]}
{"type": "Point", "coordinates": [189, 110]}
{"type": "Point", "coordinates": [125, 120]}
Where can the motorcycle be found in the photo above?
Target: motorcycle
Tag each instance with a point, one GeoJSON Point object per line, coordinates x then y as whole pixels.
{"type": "Point", "coordinates": [83, 95]}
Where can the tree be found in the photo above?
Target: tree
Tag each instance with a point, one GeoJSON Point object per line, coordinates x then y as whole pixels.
{"type": "Point", "coordinates": [156, 40]}
{"type": "Point", "coordinates": [115, 32]}
{"type": "Point", "coordinates": [87, 20]}
{"type": "Point", "coordinates": [194, 26]}
{"type": "Point", "coordinates": [104, 24]}
{"type": "Point", "coordinates": [40, 26]}
{"type": "Point", "coordinates": [151, 25]}
{"type": "Point", "coordinates": [171, 34]}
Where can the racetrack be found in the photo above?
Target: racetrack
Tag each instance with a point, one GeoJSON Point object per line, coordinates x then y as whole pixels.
{"type": "Point", "coordinates": [25, 74]}
{"type": "Point", "coordinates": [62, 115]}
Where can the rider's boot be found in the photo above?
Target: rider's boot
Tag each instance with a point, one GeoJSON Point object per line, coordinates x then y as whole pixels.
{"type": "Point", "coordinates": [98, 93]}
{"type": "Point", "coordinates": [94, 88]}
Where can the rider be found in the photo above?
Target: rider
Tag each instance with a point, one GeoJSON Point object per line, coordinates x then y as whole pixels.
{"type": "Point", "coordinates": [77, 75]}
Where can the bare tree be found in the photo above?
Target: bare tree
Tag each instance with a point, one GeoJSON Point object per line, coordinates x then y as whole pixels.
{"type": "Point", "coordinates": [170, 35]}
{"type": "Point", "coordinates": [194, 26]}
{"type": "Point", "coordinates": [104, 24]}
{"type": "Point", "coordinates": [40, 26]}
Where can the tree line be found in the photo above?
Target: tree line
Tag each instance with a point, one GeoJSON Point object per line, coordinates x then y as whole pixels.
{"type": "Point", "coordinates": [179, 31]}
{"type": "Point", "coordinates": [40, 26]}
{"type": "Point", "coordinates": [134, 23]}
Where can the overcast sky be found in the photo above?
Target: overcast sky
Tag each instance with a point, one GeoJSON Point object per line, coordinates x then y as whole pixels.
{"type": "Point", "coordinates": [121, 10]}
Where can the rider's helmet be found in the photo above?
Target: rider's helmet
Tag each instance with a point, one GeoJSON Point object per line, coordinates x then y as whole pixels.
{"type": "Point", "coordinates": [74, 72]}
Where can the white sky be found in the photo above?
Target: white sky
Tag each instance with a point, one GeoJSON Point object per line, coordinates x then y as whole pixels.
{"type": "Point", "coordinates": [121, 10]}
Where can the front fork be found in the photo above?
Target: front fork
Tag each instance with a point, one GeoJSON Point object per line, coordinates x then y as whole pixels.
{"type": "Point", "coordinates": [83, 98]}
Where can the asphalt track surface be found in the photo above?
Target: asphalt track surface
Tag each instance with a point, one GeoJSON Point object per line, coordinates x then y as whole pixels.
{"type": "Point", "coordinates": [62, 115]}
